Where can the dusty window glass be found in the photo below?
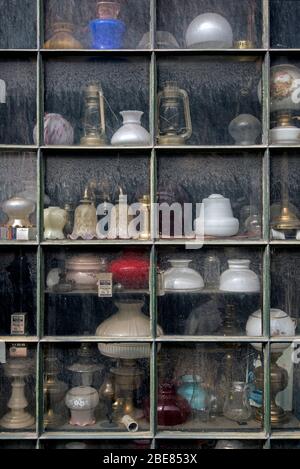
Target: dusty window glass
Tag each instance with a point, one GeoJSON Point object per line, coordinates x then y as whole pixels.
{"type": "Point", "coordinates": [18, 196]}
{"type": "Point", "coordinates": [18, 24]}
{"type": "Point", "coordinates": [18, 100]}
{"type": "Point", "coordinates": [220, 90]}
{"type": "Point", "coordinates": [98, 185]}
{"type": "Point", "coordinates": [237, 27]}
{"type": "Point", "coordinates": [18, 294]}
{"type": "Point", "coordinates": [87, 388]}
{"type": "Point", "coordinates": [87, 25]}
{"type": "Point", "coordinates": [79, 91]}
{"type": "Point", "coordinates": [284, 23]}
{"type": "Point", "coordinates": [97, 285]}
{"type": "Point", "coordinates": [219, 390]}
{"type": "Point", "coordinates": [202, 292]}
{"type": "Point", "coordinates": [229, 187]}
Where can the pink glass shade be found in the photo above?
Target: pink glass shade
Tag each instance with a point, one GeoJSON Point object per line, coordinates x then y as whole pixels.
{"type": "Point", "coordinates": [108, 10]}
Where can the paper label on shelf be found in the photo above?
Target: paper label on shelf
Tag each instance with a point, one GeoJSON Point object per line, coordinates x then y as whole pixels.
{"type": "Point", "coordinates": [104, 283]}
{"type": "Point", "coordinates": [18, 351]}
{"type": "Point", "coordinates": [2, 352]}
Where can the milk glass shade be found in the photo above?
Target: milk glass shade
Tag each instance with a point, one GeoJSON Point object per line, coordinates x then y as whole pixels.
{"type": "Point", "coordinates": [239, 277]}
{"type": "Point", "coordinates": [209, 31]}
{"type": "Point", "coordinates": [245, 129]}
{"type": "Point", "coordinates": [129, 321]}
{"type": "Point", "coordinates": [180, 277]}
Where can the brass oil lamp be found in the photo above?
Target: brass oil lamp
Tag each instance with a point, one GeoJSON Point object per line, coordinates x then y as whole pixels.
{"type": "Point", "coordinates": [54, 392]}
{"type": "Point", "coordinates": [94, 117]}
{"type": "Point", "coordinates": [127, 378]}
{"type": "Point", "coordinates": [286, 222]}
{"type": "Point", "coordinates": [279, 381]}
{"type": "Point", "coordinates": [174, 116]}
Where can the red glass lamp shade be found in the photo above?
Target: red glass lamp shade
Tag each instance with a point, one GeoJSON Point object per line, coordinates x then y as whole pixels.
{"type": "Point", "coordinates": [108, 10]}
{"type": "Point", "coordinates": [131, 270]}
{"type": "Point", "coordinates": [172, 409]}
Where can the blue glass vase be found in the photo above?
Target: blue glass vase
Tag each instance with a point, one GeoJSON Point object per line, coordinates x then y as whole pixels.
{"type": "Point", "coordinates": [107, 34]}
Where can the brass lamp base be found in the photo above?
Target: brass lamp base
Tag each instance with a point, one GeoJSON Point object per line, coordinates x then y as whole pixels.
{"type": "Point", "coordinates": [93, 141]}
{"type": "Point", "coordinates": [286, 220]}
{"type": "Point", "coordinates": [171, 140]}
{"type": "Point", "coordinates": [279, 381]}
{"type": "Point", "coordinates": [243, 44]}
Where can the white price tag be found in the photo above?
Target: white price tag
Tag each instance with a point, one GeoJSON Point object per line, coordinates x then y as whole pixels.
{"type": "Point", "coordinates": [105, 285]}
{"type": "Point", "coordinates": [2, 352]}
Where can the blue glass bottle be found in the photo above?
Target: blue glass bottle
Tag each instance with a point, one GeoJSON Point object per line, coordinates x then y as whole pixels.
{"type": "Point", "coordinates": [107, 33]}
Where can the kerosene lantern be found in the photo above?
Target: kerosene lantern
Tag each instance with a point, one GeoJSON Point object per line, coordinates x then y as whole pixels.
{"type": "Point", "coordinates": [94, 117]}
{"type": "Point", "coordinates": [107, 30]}
{"type": "Point", "coordinates": [285, 104]}
{"type": "Point", "coordinates": [174, 116]}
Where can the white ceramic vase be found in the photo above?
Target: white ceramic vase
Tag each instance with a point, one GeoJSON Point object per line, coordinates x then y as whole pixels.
{"type": "Point", "coordinates": [218, 217]}
{"type": "Point", "coordinates": [129, 321]}
{"type": "Point", "coordinates": [131, 132]}
{"type": "Point", "coordinates": [55, 219]}
{"type": "Point", "coordinates": [239, 278]}
{"type": "Point", "coordinates": [82, 401]}
{"type": "Point", "coordinates": [209, 31]}
{"type": "Point", "coordinates": [181, 278]}
{"type": "Point", "coordinates": [281, 325]}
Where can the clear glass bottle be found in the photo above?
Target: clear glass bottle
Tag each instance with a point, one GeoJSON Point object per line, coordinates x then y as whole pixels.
{"type": "Point", "coordinates": [212, 272]}
{"type": "Point", "coordinates": [237, 407]}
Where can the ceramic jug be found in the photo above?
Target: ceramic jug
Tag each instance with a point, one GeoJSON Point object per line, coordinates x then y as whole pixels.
{"type": "Point", "coordinates": [131, 132]}
{"type": "Point", "coordinates": [218, 216]}
{"type": "Point", "coordinates": [55, 219]}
